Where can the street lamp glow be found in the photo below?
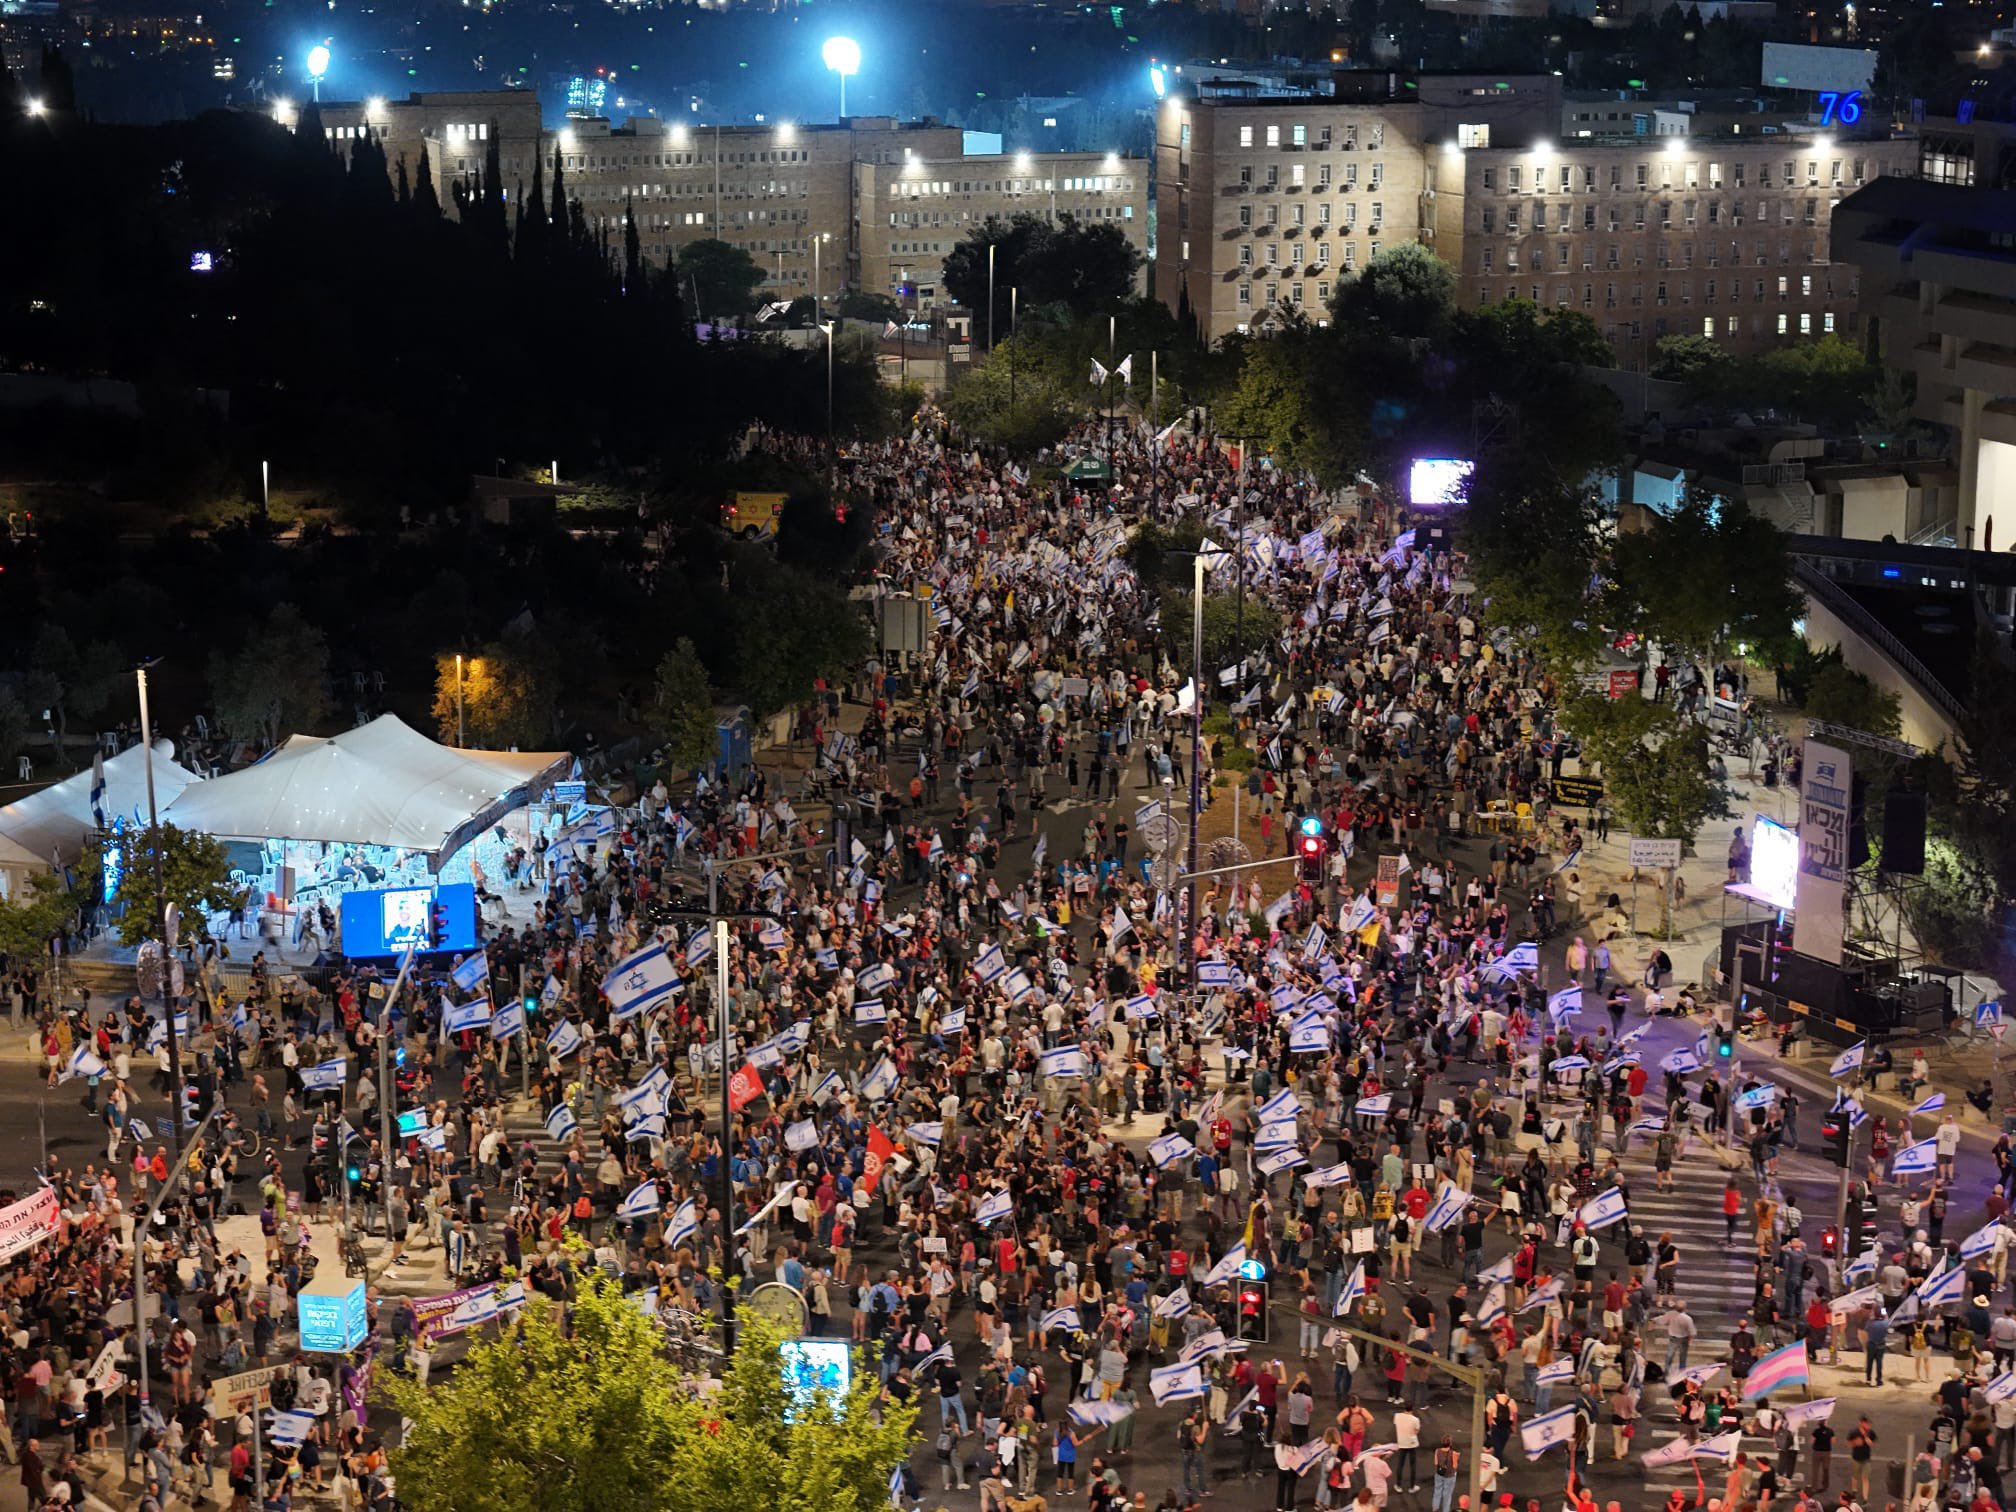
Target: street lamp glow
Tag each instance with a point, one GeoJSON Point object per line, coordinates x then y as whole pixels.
{"type": "Point", "coordinates": [36, 107]}
{"type": "Point", "coordinates": [318, 61]}
{"type": "Point", "coordinates": [375, 106]}
{"type": "Point", "coordinates": [843, 56]}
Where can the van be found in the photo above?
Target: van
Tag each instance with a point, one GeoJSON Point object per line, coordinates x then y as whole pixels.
{"type": "Point", "coordinates": [753, 515]}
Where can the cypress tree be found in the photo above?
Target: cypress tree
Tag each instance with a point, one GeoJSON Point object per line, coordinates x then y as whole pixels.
{"type": "Point", "coordinates": [405, 190]}
{"type": "Point", "coordinates": [633, 264]}
{"type": "Point", "coordinates": [425, 201]}
{"type": "Point", "coordinates": [559, 214]}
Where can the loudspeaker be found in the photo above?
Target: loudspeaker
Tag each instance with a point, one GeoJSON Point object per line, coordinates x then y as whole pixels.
{"type": "Point", "coordinates": [1904, 834]}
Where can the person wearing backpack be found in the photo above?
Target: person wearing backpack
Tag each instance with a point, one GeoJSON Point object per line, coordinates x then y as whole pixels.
{"type": "Point", "coordinates": [1447, 1462]}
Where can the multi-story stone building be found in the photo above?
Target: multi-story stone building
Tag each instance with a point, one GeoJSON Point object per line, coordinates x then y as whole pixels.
{"type": "Point", "coordinates": [1263, 203]}
{"type": "Point", "coordinates": [910, 214]}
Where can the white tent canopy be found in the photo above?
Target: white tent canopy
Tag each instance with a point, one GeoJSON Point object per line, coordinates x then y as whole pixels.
{"type": "Point", "coordinates": [49, 826]}
{"type": "Point", "coordinates": [380, 784]}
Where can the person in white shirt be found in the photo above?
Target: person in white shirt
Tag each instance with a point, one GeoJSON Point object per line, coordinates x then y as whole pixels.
{"type": "Point", "coordinates": [1407, 1434]}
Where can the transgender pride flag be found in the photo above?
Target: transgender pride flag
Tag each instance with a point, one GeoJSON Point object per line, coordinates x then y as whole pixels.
{"type": "Point", "coordinates": [1777, 1370]}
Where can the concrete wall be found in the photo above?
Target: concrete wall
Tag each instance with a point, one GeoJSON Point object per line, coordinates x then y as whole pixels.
{"type": "Point", "coordinates": [1925, 724]}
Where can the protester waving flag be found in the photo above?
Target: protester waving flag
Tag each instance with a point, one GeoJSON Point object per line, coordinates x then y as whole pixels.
{"type": "Point", "coordinates": [994, 1207]}
{"type": "Point", "coordinates": [639, 981]}
{"type": "Point", "coordinates": [1602, 1210]}
{"type": "Point", "coordinates": [561, 1123]}
{"type": "Point", "coordinates": [1353, 1289]}
{"type": "Point", "coordinates": [641, 1203]}
{"type": "Point", "coordinates": [1176, 1383]}
{"type": "Point", "coordinates": [1542, 1433]}
{"type": "Point", "coordinates": [1778, 1370]}
{"type": "Point", "coordinates": [1226, 1268]}
{"type": "Point", "coordinates": [1848, 1060]}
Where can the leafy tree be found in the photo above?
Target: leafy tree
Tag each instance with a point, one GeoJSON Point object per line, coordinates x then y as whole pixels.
{"type": "Point", "coordinates": [1405, 291]}
{"type": "Point", "coordinates": [1023, 397]}
{"type": "Point", "coordinates": [1277, 404]}
{"type": "Point", "coordinates": [1704, 577]}
{"type": "Point", "coordinates": [1229, 630]}
{"type": "Point", "coordinates": [723, 278]}
{"type": "Point", "coordinates": [13, 729]}
{"type": "Point", "coordinates": [1690, 359]}
{"type": "Point", "coordinates": [790, 629]}
{"type": "Point", "coordinates": [593, 1415]}
{"type": "Point", "coordinates": [509, 691]}
{"type": "Point", "coordinates": [196, 878]}
{"type": "Point", "coordinates": [1534, 542]}
{"type": "Point", "coordinates": [29, 922]}
{"type": "Point", "coordinates": [1842, 696]}
{"type": "Point", "coordinates": [1087, 267]}
{"type": "Point", "coordinates": [68, 682]}
{"type": "Point", "coordinates": [1961, 916]}
{"type": "Point", "coordinates": [681, 712]}
{"type": "Point", "coordinates": [276, 684]}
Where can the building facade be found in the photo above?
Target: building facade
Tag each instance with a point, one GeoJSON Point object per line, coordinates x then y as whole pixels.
{"type": "Point", "coordinates": [1263, 203]}
{"type": "Point", "coordinates": [910, 214]}
{"type": "Point", "coordinates": [1937, 261]}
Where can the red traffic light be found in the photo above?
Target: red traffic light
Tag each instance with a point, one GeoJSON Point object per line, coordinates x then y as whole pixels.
{"type": "Point", "coordinates": [1830, 1240]}
{"type": "Point", "coordinates": [1312, 847]}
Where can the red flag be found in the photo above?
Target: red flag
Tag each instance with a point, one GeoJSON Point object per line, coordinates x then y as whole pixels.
{"type": "Point", "coordinates": [880, 1150]}
{"type": "Point", "coordinates": [744, 1087]}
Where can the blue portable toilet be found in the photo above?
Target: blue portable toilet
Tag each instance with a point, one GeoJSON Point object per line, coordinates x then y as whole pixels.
{"type": "Point", "coordinates": [731, 728]}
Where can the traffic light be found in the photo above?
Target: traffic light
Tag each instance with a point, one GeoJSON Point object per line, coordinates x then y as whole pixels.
{"type": "Point", "coordinates": [1253, 1311]}
{"type": "Point", "coordinates": [531, 1006]}
{"type": "Point", "coordinates": [1725, 1041]}
{"type": "Point", "coordinates": [1310, 849]}
{"type": "Point", "coordinates": [1830, 1241]}
{"type": "Point", "coordinates": [1836, 1134]}
{"type": "Point", "coordinates": [438, 919]}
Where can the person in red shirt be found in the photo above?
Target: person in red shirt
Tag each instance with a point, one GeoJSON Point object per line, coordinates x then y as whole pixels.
{"type": "Point", "coordinates": [1416, 1200]}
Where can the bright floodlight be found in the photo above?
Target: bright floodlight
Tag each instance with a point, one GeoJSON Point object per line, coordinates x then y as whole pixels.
{"type": "Point", "coordinates": [318, 61]}
{"type": "Point", "coordinates": [842, 55]}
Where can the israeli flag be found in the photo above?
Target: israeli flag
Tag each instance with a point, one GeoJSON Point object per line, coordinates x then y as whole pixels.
{"type": "Point", "coordinates": [1681, 1062]}
{"type": "Point", "coordinates": [1498, 1271]}
{"type": "Point", "coordinates": [507, 1021]}
{"type": "Point", "coordinates": [1274, 1136]}
{"type": "Point", "coordinates": [1359, 915]}
{"type": "Point", "coordinates": [561, 1123]}
{"type": "Point", "coordinates": [1568, 1000]}
{"type": "Point", "coordinates": [896, 1487]}
{"type": "Point", "coordinates": [1226, 1268]}
{"type": "Point", "coordinates": [1309, 1038]}
{"type": "Point", "coordinates": [466, 1016]}
{"type": "Point", "coordinates": [942, 1355]}
{"type": "Point", "coordinates": [874, 978]}
{"type": "Point", "coordinates": [1865, 1263]}
{"type": "Point", "coordinates": [1374, 1107]}
{"type": "Point", "coordinates": [990, 965]}
{"type": "Point", "coordinates": [2001, 1388]}
{"type": "Point", "coordinates": [880, 1082]}
{"type": "Point", "coordinates": [1493, 1306]}
{"type": "Point", "coordinates": [1065, 1060]}
{"type": "Point", "coordinates": [1141, 1006]}
{"type": "Point", "coordinates": [870, 1011]}
{"type": "Point", "coordinates": [953, 1022]}
{"type": "Point", "coordinates": [649, 1091]}
{"type": "Point", "coordinates": [1173, 1306]}
{"type": "Point", "coordinates": [551, 992]}
{"type": "Point", "coordinates": [1354, 1288]}
{"type": "Point", "coordinates": [1065, 1318]}
{"type": "Point", "coordinates": [1329, 1176]}
{"type": "Point", "coordinates": [473, 973]}
{"type": "Point", "coordinates": [1912, 1159]}
{"type": "Point", "coordinates": [1540, 1296]}
{"type": "Point", "coordinates": [1281, 1107]}
{"type": "Point", "coordinates": [802, 1135]}
{"type": "Point", "coordinates": [1217, 974]}
{"type": "Point", "coordinates": [1448, 1207]}
{"type": "Point", "coordinates": [1315, 943]}
{"type": "Point", "coordinates": [328, 1076]}
{"type": "Point", "coordinates": [138, 1131]}
{"type": "Point", "coordinates": [1569, 1063]}
{"type": "Point", "coordinates": [1556, 1374]}
{"type": "Point", "coordinates": [1282, 1160]}
{"type": "Point", "coordinates": [638, 981]}
{"type": "Point", "coordinates": [1542, 1433]}
{"type": "Point", "coordinates": [1947, 1286]}
{"type": "Point", "coordinates": [684, 1225]}
{"type": "Point", "coordinates": [830, 1085]}
{"type": "Point", "coordinates": [641, 1203]}
{"type": "Point", "coordinates": [434, 1137]}
{"type": "Point", "coordinates": [1981, 1241]}
{"type": "Point", "coordinates": [564, 1040]}
{"type": "Point", "coordinates": [650, 1126]}
{"type": "Point", "coordinates": [83, 1063]}
{"type": "Point", "coordinates": [1849, 1059]}
{"type": "Point", "coordinates": [1525, 956]}
{"type": "Point", "coordinates": [926, 1133]}
{"type": "Point", "coordinates": [994, 1207]}
{"type": "Point", "coordinates": [1931, 1104]}
{"type": "Point", "coordinates": [1169, 1149]}
{"type": "Point", "coordinates": [1017, 985]}
{"type": "Point", "coordinates": [289, 1430]}
{"type": "Point", "coordinates": [1757, 1097]}
{"type": "Point", "coordinates": [1602, 1210]}
{"type": "Point", "coordinates": [1176, 1383]}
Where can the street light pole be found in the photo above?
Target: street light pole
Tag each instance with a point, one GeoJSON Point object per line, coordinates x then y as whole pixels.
{"type": "Point", "coordinates": [990, 299]}
{"type": "Point", "coordinates": [1188, 954]}
{"type": "Point", "coordinates": [828, 328]}
{"type": "Point", "coordinates": [162, 919]}
{"type": "Point", "coordinates": [460, 740]}
{"type": "Point", "coordinates": [721, 938]}
{"type": "Point", "coordinates": [140, 1233]}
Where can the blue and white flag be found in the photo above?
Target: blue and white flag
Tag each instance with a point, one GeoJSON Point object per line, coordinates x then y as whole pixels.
{"type": "Point", "coordinates": [1758, 1096]}
{"type": "Point", "coordinates": [1065, 1060]}
{"type": "Point", "coordinates": [638, 981]}
{"type": "Point", "coordinates": [880, 1082]}
{"type": "Point", "coordinates": [465, 1016]}
{"type": "Point", "coordinates": [1538, 1435]}
{"type": "Point", "coordinates": [802, 1135]}
{"type": "Point", "coordinates": [953, 1022]}
{"type": "Point", "coordinates": [1274, 1136]}
{"type": "Point", "coordinates": [1173, 1306]}
{"type": "Point", "coordinates": [289, 1430]}
{"type": "Point", "coordinates": [1226, 1268]}
{"type": "Point", "coordinates": [994, 1207]}
{"type": "Point", "coordinates": [1302, 1458]}
{"type": "Point", "coordinates": [1280, 1107]}
{"type": "Point", "coordinates": [1017, 985]}
{"type": "Point", "coordinates": [990, 965]}
{"type": "Point", "coordinates": [561, 1123]}
{"type": "Point", "coordinates": [1982, 1240]}
{"type": "Point", "coordinates": [1525, 956]}
{"type": "Point", "coordinates": [1947, 1286]}
{"type": "Point", "coordinates": [564, 1040]}
{"type": "Point", "coordinates": [83, 1062]}
{"type": "Point", "coordinates": [872, 979]}
{"type": "Point", "coordinates": [473, 973]}
{"type": "Point", "coordinates": [926, 1133]}
{"type": "Point", "coordinates": [647, 1094]}
{"type": "Point", "coordinates": [942, 1355]}
{"type": "Point", "coordinates": [138, 1131]}
{"type": "Point", "coordinates": [684, 1225]}
{"type": "Point", "coordinates": [1329, 1176]}
{"type": "Point", "coordinates": [2001, 1388]}
{"type": "Point", "coordinates": [649, 1126]}
{"type": "Point", "coordinates": [1169, 1149]}
{"type": "Point", "coordinates": [1141, 1007]}
{"type": "Point", "coordinates": [1912, 1159]}
{"type": "Point", "coordinates": [1602, 1210]}
{"type": "Point", "coordinates": [1493, 1306]}
{"type": "Point", "coordinates": [1569, 1063]}
{"type": "Point", "coordinates": [1568, 1000]}
{"type": "Point", "coordinates": [433, 1137]}
{"type": "Point", "coordinates": [1282, 1160]}
{"type": "Point", "coordinates": [507, 1021]}
{"type": "Point", "coordinates": [1358, 915]}
{"type": "Point", "coordinates": [1217, 974]}
{"type": "Point", "coordinates": [1681, 1062]}
{"type": "Point", "coordinates": [552, 991]}
{"type": "Point", "coordinates": [699, 947]}
{"type": "Point", "coordinates": [1849, 1059]}
{"type": "Point", "coordinates": [1099, 1414]}
{"type": "Point", "coordinates": [1931, 1104]}
{"type": "Point", "coordinates": [1305, 1039]}
{"type": "Point", "coordinates": [1447, 1208]}
{"type": "Point", "coordinates": [870, 1011]}
{"type": "Point", "coordinates": [830, 1085]}
{"type": "Point", "coordinates": [1176, 1383]}
{"type": "Point", "coordinates": [1374, 1107]}
{"type": "Point", "coordinates": [1499, 1270]}
{"type": "Point", "coordinates": [1354, 1288]}
{"type": "Point", "coordinates": [641, 1203]}
{"type": "Point", "coordinates": [1540, 1296]}
{"type": "Point", "coordinates": [328, 1076]}
{"type": "Point", "coordinates": [1559, 1373]}
{"type": "Point", "coordinates": [1065, 1318]}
